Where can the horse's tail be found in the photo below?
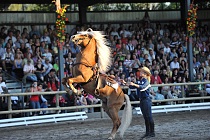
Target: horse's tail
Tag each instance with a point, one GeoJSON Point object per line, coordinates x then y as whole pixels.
{"type": "Point", "coordinates": [126, 116]}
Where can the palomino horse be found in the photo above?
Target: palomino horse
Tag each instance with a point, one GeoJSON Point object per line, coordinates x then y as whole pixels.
{"type": "Point", "coordinates": [95, 58]}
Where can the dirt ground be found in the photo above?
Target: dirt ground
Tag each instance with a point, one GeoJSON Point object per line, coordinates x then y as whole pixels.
{"type": "Point", "coordinates": [187, 125]}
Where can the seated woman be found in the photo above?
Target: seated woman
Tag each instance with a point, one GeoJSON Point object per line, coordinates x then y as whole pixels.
{"type": "Point", "coordinates": [18, 65]}
{"type": "Point", "coordinates": [39, 70]}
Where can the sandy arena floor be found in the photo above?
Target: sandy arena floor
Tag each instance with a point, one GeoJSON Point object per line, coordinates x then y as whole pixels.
{"type": "Point", "coordinates": [187, 125]}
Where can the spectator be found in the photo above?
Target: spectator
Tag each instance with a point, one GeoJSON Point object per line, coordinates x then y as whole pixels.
{"type": "Point", "coordinates": [177, 91]}
{"type": "Point", "coordinates": [10, 36]}
{"type": "Point", "coordinates": [155, 93]}
{"type": "Point", "coordinates": [163, 74]}
{"type": "Point", "coordinates": [130, 47]}
{"type": "Point", "coordinates": [174, 64]}
{"type": "Point", "coordinates": [196, 49]}
{"type": "Point", "coordinates": [167, 49]}
{"type": "Point", "coordinates": [48, 66]}
{"type": "Point", "coordinates": [3, 87]}
{"type": "Point", "coordinates": [135, 63]}
{"type": "Point", "coordinates": [52, 81]}
{"type": "Point", "coordinates": [207, 86]}
{"type": "Point", "coordinates": [12, 29]}
{"type": "Point", "coordinates": [28, 71]}
{"type": "Point", "coordinates": [28, 57]}
{"type": "Point", "coordinates": [2, 33]}
{"type": "Point", "coordinates": [200, 87]}
{"type": "Point", "coordinates": [83, 101]}
{"type": "Point", "coordinates": [202, 57]}
{"type": "Point", "coordinates": [34, 31]}
{"type": "Point", "coordinates": [18, 66]}
{"type": "Point", "coordinates": [39, 70]}
{"type": "Point", "coordinates": [183, 67]}
{"type": "Point", "coordinates": [7, 60]}
{"type": "Point", "coordinates": [34, 100]}
{"type": "Point", "coordinates": [155, 78]}
{"type": "Point", "coordinates": [74, 49]}
{"type": "Point", "coordinates": [62, 102]}
{"type": "Point", "coordinates": [128, 62]}
{"type": "Point", "coordinates": [48, 54]}
{"type": "Point", "coordinates": [91, 100]}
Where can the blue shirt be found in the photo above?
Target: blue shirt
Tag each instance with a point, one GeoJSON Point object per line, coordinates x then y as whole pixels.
{"type": "Point", "coordinates": [143, 83]}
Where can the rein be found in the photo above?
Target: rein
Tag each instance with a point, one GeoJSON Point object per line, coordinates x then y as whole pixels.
{"type": "Point", "coordinates": [87, 65]}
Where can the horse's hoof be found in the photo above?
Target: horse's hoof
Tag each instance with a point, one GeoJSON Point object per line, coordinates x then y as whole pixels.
{"type": "Point", "coordinates": [111, 137]}
{"type": "Point", "coordinates": [67, 85]}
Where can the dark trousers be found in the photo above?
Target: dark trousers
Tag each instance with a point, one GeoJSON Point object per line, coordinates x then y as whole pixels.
{"type": "Point", "coordinates": [145, 105]}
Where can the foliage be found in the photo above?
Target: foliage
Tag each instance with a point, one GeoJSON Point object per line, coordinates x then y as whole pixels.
{"type": "Point", "coordinates": [43, 7]}
{"type": "Point", "coordinates": [191, 19]}
{"type": "Point", "coordinates": [61, 25]}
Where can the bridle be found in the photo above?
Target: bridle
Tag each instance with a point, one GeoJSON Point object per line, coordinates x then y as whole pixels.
{"type": "Point", "coordinates": [81, 39]}
{"type": "Point", "coordinates": [76, 43]}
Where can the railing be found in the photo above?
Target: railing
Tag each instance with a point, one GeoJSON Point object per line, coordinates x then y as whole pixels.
{"type": "Point", "coordinates": [58, 108]}
{"type": "Point", "coordinates": [21, 83]}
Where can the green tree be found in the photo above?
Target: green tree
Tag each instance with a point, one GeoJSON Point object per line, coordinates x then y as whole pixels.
{"type": "Point", "coordinates": [42, 7]}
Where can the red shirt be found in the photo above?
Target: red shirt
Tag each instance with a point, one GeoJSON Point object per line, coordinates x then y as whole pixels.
{"type": "Point", "coordinates": [34, 98]}
{"type": "Point", "coordinates": [157, 79]}
{"type": "Point", "coordinates": [52, 86]}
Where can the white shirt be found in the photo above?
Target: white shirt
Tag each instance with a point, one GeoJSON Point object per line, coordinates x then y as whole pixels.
{"type": "Point", "coordinates": [2, 84]}
{"type": "Point", "coordinates": [28, 68]}
{"type": "Point", "coordinates": [167, 50]}
{"type": "Point", "coordinates": [13, 39]}
{"type": "Point", "coordinates": [46, 39]}
{"type": "Point", "coordinates": [174, 65]}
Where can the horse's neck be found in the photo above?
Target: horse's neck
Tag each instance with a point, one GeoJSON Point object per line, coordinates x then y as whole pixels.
{"type": "Point", "coordinates": [88, 56]}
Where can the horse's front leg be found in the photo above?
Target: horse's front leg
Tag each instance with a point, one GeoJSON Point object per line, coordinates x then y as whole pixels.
{"type": "Point", "coordinates": [77, 79]}
{"type": "Point", "coordinates": [66, 87]}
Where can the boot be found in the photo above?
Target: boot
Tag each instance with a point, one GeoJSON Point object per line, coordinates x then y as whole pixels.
{"type": "Point", "coordinates": [152, 127]}
{"type": "Point", "coordinates": [147, 134]}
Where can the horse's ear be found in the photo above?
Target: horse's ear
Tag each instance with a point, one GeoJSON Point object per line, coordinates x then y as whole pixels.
{"type": "Point", "coordinates": [89, 30]}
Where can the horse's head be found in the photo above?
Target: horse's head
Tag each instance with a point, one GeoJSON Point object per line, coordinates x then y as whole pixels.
{"type": "Point", "coordinates": [82, 38]}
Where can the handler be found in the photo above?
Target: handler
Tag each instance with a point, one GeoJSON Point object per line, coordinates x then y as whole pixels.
{"type": "Point", "coordinates": [143, 89]}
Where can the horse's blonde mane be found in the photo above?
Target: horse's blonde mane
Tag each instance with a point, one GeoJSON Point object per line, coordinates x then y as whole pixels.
{"type": "Point", "coordinates": [103, 50]}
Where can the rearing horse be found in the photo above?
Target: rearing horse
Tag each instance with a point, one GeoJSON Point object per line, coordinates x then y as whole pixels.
{"type": "Point", "coordinates": [94, 58]}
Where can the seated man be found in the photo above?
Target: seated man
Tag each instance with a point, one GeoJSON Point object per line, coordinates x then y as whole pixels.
{"type": "Point", "coordinates": [7, 60]}
{"type": "Point", "coordinates": [200, 87]}
{"type": "Point", "coordinates": [28, 71]}
{"type": "Point", "coordinates": [52, 81]}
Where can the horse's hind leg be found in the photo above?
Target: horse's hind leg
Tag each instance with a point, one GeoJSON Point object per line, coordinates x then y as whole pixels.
{"type": "Point", "coordinates": [115, 119]}
{"type": "Point", "coordinates": [113, 111]}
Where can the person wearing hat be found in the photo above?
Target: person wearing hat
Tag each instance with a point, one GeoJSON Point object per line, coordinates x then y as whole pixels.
{"type": "Point", "coordinates": [143, 89]}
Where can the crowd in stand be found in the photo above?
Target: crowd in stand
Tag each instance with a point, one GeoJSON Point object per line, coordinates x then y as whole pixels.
{"type": "Point", "coordinates": [32, 55]}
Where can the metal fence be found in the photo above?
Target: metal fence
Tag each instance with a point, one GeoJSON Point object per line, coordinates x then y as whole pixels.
{"type": "Point", "coordinates": [58, 108]}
